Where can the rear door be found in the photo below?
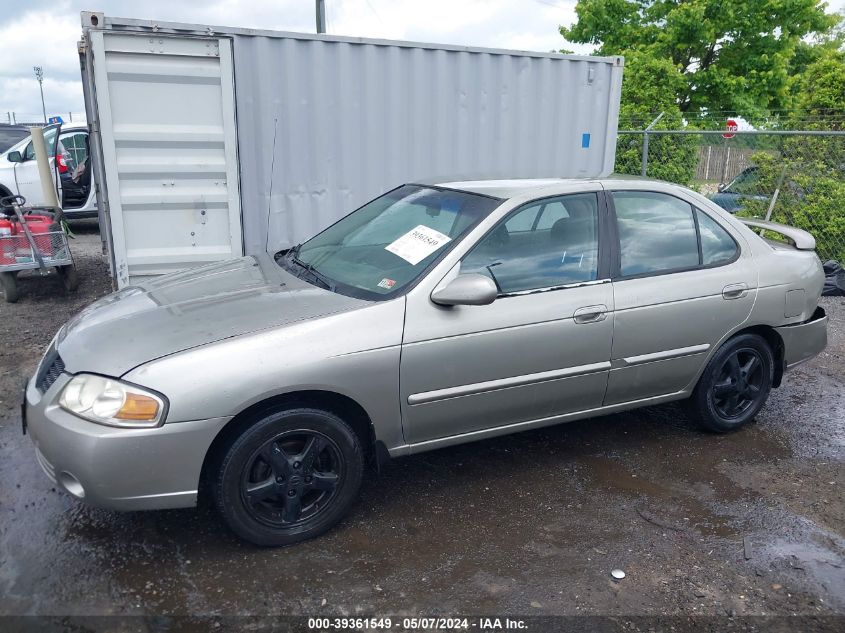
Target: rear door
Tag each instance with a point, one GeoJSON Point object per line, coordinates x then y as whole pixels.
{"type": "Point", "coordinates": [167, 134]}
{"type": "Point", "coordinates": [682, 281]}
{"type": "Point", "coordinates": [76, 178]}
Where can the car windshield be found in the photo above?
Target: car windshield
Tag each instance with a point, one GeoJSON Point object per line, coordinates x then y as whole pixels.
{"type": "Point", "coordinates": [746, 182]}
{"type": "Point", "coordinates": [388, 243]}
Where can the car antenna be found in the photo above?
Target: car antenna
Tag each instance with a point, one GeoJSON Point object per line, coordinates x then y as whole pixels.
{"type": "Point", "coordinates": [272, 173]}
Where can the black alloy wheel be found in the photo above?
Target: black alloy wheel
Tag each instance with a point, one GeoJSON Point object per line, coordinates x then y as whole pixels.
{"type": "Point", "coordinates": [291, 478]}
{"type": "Point", "coordinates": [734, 385]}
{"type": "Point", "coordinates": [288, 476]}
{"type": "Point", "coordinates": [739, 383]}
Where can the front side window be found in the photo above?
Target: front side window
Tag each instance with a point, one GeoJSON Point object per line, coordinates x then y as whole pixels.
{"type": "Point", "coordinates": [656, 233]}
{"type": "Point", "coordinates": [388, 243]}
{"type": "Point", "coordinates": [559, 247]}
{"type": "Point", "coordinates": [49, 136]}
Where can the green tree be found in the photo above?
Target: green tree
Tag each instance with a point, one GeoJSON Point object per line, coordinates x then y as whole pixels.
{"type": "Point", "coordinates": [822, 90]}
{"type": "Point", "coordinates": [733, 56]}
{"type": "Point", "coordinates": [648, 87]}
{"type": "Point", "coordinates": [823, 46]}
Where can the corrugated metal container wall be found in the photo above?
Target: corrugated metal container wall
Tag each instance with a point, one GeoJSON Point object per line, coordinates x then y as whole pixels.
{"type": "Point", "coordinates": [354, 118]}
{"type": "Point", "coordinates": [351, 118]}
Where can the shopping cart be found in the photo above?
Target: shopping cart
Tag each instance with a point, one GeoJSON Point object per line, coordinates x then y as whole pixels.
{"type": "Point", "coordinates": [32, 238]}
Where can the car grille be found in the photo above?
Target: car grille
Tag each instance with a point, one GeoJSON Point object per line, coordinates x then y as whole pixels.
{"type": "Point", "coordinates": [51, 368]}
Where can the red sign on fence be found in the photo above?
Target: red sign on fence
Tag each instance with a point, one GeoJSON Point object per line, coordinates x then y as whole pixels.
{"type": "Point", "coordinates": [731, 126]}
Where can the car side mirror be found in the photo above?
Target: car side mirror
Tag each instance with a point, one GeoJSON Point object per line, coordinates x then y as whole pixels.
{"type": "Point", "coordinates": [471, 289]}
{"type": "Point", "coordinates": [15, 157]}
{"type": "Point", "coordinates": [721, 187]}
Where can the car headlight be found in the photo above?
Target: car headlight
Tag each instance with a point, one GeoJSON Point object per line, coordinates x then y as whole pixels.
{"type": "Point", "coordinates": [112, 402]}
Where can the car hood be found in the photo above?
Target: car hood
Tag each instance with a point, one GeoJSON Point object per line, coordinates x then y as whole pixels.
{"type": "Point", "coordinates": [183, 310]}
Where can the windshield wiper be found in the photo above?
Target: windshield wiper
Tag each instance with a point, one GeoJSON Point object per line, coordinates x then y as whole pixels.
{"type": "Point", "coordinates": [316, 276]}
{"type": "Point", "coordinates": [293, 251]}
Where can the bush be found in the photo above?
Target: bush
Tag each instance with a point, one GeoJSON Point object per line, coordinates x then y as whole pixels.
{"type": "Point", "coordinates": [812, 191]}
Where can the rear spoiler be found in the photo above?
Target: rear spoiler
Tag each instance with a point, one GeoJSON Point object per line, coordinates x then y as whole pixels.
{"type": "Point", "coordinates": [799, 238]}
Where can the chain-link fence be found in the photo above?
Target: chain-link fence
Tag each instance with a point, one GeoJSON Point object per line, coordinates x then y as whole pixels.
{"type": "Point", "coordinates": [31, 118]}
{"type": "Point", "coordinates": [791, 177]}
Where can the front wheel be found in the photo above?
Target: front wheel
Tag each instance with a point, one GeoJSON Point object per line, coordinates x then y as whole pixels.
{"type": "Point", "coordinates": [289, 477]}
{"type": "Point", "coordinates": [9, 283]}
{"type": "Point", "coordinates": [69, 277]}
{"type": "Point", "coordinates": [735, 384]}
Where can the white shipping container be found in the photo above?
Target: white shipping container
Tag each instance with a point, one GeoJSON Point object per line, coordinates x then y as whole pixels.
{"type": "Point", "coordinates": [211, 142]}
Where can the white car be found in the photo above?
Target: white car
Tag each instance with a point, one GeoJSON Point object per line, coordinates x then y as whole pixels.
{"type": "Point", "coordinates": [19, 171]}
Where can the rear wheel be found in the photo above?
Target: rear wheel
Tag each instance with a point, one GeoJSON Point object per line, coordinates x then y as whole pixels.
{"type": "Point", "coordinates": [9, 283]}
{"type": "Point", "coordinates": [69, 277]}
{"type": "Point", "coordinates": [735, 384]}
{"type": "Point", "coordinates": [289, 477]}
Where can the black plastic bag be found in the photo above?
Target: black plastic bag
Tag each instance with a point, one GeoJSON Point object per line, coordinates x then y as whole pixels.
{"type": "Point", "coordinates": [834, 279]}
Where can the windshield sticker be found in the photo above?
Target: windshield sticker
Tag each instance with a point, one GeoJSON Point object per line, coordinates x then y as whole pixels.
{"type": "Point", "coordinates": [417, 244]}
{"type": "Point", "coordinates": [387, 283]}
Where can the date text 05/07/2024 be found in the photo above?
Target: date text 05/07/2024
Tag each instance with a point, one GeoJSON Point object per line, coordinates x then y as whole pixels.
{"type": "Point", "coordinates": [417, 624]}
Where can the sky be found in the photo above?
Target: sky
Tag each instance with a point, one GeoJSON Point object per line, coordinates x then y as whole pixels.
{"type": "Point", "coordinates": [45, 32]}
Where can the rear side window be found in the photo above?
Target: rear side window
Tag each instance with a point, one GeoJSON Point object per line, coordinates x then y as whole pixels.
{"type": "Point", "coordinates": [717, 247]}
{"type": "Point", "coordinates": [656, 233]}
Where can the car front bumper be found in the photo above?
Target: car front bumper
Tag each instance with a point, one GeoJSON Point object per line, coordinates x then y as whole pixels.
{"type": "Point", "coordinates": [803, 341]}
{"type": "Point", "coordinates": [117, 468]}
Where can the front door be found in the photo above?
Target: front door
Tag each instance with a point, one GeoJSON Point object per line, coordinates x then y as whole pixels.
{"type": "Point", "coordinates": [682, 283]}
{"type": "Point", "coordinates": [26, 172]}
{"type": "Point", "coordinates": [540, 350]}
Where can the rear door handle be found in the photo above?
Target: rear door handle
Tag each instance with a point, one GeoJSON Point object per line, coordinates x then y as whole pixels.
{"type": "Point", "coordinates": [590, 314]}
{"type": "Point", "coordinates": [734, 291]}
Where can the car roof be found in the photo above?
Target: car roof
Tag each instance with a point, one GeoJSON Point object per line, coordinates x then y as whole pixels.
{"type": "Point", "coordinates": [515, 187]}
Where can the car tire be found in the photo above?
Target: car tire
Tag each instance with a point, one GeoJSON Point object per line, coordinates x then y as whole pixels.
{"type": "Point", "coordinates": [290, 476]}
{"type": "Point", "coordinates": [9, 283]}
{"type": "Point", "coordinates": [734, 386]}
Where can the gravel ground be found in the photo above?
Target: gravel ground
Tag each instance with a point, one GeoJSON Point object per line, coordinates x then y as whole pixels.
{"type": "Point", "coordinates": [745, 524]}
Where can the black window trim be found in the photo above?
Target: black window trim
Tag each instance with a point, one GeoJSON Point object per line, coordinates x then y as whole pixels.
{"type": "Point", "coordinates": [604, 238]}
{"type": "Point", "coordinates": [616, 274]}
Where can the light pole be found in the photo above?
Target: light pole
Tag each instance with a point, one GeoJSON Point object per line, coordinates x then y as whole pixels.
{"type": "Point", "coordinates": [321, 16]}
{"type": "Point", "coordinates": [39, 75]}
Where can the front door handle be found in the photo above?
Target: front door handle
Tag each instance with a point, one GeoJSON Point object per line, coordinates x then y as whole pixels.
{"type": "Point", "coordinates": [590, 314]}
{"type": "Point", "coordinates": [734, 291]}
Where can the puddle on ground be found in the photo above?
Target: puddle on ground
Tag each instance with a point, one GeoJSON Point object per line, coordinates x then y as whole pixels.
{"type": "Point", "coordinates": [819, 558]}
{"type": "Point", "coordinates": [672, 505]}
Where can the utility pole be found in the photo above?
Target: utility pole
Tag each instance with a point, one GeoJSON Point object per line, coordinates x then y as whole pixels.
{"type": "Point", "coordinates": [321, 16]}
{"type": "Point", "coordinates": [39, 75]}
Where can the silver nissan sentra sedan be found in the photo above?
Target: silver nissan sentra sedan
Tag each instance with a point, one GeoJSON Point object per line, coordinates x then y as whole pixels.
{"type": "Point", "coordinates": [435, 314]}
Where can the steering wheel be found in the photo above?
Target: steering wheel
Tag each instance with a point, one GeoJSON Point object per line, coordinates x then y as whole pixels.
{"type": "Point", "coordinates": [8, 201]}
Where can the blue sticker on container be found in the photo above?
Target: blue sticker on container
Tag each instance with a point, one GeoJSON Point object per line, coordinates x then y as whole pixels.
{"type": "Point", "coordinates": [585, 140]}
